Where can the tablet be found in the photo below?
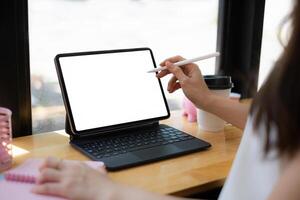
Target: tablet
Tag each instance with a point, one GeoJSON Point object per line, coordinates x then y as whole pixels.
{"type": "Point", "coordinates": [109, 90]}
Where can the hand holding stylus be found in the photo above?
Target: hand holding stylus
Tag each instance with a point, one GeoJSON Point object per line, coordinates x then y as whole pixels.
{"type": "Point", "coordinates": [189, 79]}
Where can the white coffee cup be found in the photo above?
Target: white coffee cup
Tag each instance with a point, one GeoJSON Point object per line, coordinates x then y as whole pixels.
{"type": "Point", "coordinates": [219, 85]}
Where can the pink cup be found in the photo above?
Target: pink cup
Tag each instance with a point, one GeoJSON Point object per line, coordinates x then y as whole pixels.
{"type": "Point", "coordinates": [5, 139]}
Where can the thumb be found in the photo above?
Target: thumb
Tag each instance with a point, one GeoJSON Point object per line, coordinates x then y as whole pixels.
{"type": "Point", "coordinates": [177, 71]}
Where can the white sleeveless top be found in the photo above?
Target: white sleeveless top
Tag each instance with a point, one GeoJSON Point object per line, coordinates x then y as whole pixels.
{"type": "Point", "coordinates": [253, 174]}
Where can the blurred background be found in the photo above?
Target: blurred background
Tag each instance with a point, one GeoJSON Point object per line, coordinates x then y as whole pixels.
{"type": "Point", "coordinates": [168, 27]}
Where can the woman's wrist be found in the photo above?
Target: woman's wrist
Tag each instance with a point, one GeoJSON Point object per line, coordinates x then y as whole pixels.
{"type": "Point", "coordinates": [120, 192]}
{"type": "Point", "coordinates": [115, 192]}
{"type": "Point", "coordinates": [206, 102]}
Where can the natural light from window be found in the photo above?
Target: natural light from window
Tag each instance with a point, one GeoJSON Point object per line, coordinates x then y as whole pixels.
{"type": "Point", "coordinates": [275, 12]}
{"type": "Point", "coordinates": [168, 27]}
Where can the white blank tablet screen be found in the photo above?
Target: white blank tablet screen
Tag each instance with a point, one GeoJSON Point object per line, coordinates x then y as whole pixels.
{"type": "Point", "coordinates": [113, 88]}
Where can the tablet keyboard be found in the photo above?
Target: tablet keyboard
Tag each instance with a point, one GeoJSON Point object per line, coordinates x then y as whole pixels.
{"type": "Point", "coordinates": [112, 146]}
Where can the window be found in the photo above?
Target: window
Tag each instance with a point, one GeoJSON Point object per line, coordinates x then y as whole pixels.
{"type": "Point", "coordinates": [275, 12]}
{"type": "Point", "coordinates": [185, 27]}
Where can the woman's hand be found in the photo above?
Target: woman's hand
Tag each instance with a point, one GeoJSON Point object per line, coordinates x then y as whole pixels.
{"type": "Point", "coordinates": [187, 77]}
{"type": "Point", "coordinates": [190, 79]}
{"type": "Point", "coordinates": [74, 180]}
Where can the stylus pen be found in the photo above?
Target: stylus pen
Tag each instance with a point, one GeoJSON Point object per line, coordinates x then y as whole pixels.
{"type": "Point", "coordinates": [184, 62]}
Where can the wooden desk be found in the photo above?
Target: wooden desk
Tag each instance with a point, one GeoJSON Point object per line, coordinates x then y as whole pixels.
{"type": "Point", "coordinates": [180, 176]}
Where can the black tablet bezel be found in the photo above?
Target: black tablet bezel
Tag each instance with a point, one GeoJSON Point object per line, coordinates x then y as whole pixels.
{"type": "Point", "coordinates": [111, 128]}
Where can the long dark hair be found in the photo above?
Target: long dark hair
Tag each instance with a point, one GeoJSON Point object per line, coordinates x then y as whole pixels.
{"type": "Point", "coordinates": [278, 101]}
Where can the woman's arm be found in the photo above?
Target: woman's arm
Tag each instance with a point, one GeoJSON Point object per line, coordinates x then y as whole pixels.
{"type": "Point", "coordinates": [133, 193]}
{"type": "Point", "coordinates": [189, 78]}
{"type": "Point", "coordinates": [231, 111]}
{"type": "Point", "coordinates": [288, 185]}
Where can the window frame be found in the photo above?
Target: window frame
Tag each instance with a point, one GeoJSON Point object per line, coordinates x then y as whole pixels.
{"type": "Point", "coordinates": [15, 85]}
{"type": "Point", "coordinates": [239, 38]}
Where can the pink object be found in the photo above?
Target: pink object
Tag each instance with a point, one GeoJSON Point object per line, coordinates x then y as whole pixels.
{"type": "Point", "coordinates": [189, 110]}
{"type": "Point", "coordinates": [5, 139]}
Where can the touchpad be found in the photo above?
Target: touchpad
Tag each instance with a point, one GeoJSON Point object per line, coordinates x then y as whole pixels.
{"type": "Point", "coordinates": [155, 152]}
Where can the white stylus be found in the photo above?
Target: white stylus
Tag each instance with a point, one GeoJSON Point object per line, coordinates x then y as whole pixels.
{"type": "Point", "coordinates": [184, 62]}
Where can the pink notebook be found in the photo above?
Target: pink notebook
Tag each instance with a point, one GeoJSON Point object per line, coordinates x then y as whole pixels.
{"type": "Point", "coordinates": [18, 182]}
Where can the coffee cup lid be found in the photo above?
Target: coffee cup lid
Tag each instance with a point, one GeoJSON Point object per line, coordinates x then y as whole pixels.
{"type": "Point", "coordinates": [217, 82]}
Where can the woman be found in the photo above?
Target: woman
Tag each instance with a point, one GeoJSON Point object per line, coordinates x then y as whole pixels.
{"type": "Point", "coordinates": [267, 162]}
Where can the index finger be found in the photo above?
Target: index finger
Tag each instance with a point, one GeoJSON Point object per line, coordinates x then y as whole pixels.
{"type": "Point", "coordinates": [55, 189]}
{"type": "Point", "coordinates": [51, 162]}
{"type": "Point", "coordinates": [163, 73]}
{"type": "Point", "coordinates": [173, 59]}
